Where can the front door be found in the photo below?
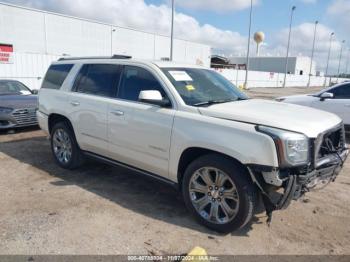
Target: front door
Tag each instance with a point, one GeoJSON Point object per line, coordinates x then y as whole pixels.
{"type": "Point", "coordinates": [139, 134]}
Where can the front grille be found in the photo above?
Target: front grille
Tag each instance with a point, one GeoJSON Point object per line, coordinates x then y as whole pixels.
{"type": "Point", "coordinates": [330, 142]}
{"type": "Point", "coordinates": [25, 117]}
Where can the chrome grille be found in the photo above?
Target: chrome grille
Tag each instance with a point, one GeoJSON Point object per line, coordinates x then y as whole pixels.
{"type": "Point", "coordinates": [25, 116]}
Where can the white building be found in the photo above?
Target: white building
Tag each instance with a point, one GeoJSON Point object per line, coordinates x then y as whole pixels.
{"type": "Point", "coordinates": [296, 65]}
{"type": "Point", "coordinates": [31, 39]}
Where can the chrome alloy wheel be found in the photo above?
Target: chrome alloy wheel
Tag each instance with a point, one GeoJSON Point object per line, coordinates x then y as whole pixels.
{"type": "Point", "coordinates": [62, 146]}
{"type": "Point", "coordinates": [214, 195]}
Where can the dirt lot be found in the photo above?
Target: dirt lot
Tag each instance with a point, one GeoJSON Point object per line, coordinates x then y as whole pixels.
{"type": "Point", "coordinates": [105, 210]}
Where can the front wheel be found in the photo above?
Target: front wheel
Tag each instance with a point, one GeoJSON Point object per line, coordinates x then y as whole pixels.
{"type": "Point", "coordinates": [219, 193]}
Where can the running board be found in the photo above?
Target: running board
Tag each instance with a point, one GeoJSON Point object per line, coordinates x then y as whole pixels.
{"type": "Point", "coordinates": [119, 164]}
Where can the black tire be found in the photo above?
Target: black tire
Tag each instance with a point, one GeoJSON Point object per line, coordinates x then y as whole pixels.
{"type": "Point", "coordinates": [245, 188]}
{"type": "Point", "coordinates": [76, 159]}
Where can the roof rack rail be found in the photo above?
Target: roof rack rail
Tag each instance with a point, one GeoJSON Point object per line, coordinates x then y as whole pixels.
{"type": "Point", "coordinates": [121, 57]}
{"type": "Point", "coordinates": [95, 57]}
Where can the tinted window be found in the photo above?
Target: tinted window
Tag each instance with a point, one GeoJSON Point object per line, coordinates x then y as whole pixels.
{"type": "Point", "coordinates": [135, 80]}
{"type": "Point", "coordinates": [341, 92]}
{"type": "Point", "coordinates": [56, 75]}
{"type": "Point", "coordinates": [99, 79]}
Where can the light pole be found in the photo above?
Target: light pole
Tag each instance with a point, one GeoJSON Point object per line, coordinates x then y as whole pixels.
{"type": "Point", "coordinates": [347, 62]}
{"type": "Point", "coordinates": [248, 49]}
{"type": "Point", "coordinates": [112, 31]}
{"type": "Point", "coordinates": [288, 45]}
{"type": "Point", "coordinates": [172, 29]}
{"type": "Point", "coordinates": [340, 57]}
{"type": "Point", "coordinates": [312, 53]}
{"type": "Point", "coordinates": [329, 55]}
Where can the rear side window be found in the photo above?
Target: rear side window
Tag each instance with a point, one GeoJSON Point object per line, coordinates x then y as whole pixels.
{"type": "Point", "coordinates": [98, 79]}
{"type": "Point", "coordinates": [56, 75]}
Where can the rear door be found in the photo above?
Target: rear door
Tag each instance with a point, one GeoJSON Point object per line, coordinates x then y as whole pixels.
{"type": "Point", "coordinates": [339, 104]}
{"type": "Point", "coordinates": [94, 86]}
{"type": "Point", "coordinates": [139, 133]}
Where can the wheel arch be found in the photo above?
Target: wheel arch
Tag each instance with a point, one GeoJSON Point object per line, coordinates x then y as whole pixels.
{"type": "Point", "coordinates": [56, 118]}
{"type": "Point", "coordinates": [192, 153]}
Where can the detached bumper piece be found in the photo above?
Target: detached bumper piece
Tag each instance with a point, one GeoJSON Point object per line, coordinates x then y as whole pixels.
{"type": "Point", "coordinates": [298, 182]}
{"type": "Point", "coordinates": [326, 170]}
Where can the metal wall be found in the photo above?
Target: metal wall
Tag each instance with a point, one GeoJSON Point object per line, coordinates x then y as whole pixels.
{"type": "Point", "coordinates": [27, 68]}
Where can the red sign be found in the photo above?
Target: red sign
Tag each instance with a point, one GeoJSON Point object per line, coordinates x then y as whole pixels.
{"type": "Point", "coordinates": [6, 54]}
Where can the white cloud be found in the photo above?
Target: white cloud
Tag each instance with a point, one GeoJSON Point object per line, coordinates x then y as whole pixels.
{"type": "Point", "coordinates": [301, 44]}
{"type": "Point", "coordinates": [339, 11]}
{"type": "Point", "coordinates": [217, 5]}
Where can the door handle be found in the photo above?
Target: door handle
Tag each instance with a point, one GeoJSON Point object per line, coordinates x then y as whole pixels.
{"type": "Point", "coordinates": [348, 105]}
{"type": "Point", "coordinates": [117, 113]}
{"type": "Point", "coordinates": [75, 103]}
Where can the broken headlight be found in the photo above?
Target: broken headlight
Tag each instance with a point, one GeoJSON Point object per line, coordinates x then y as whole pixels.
{"type": "Point", "coordinates": [292, 148]}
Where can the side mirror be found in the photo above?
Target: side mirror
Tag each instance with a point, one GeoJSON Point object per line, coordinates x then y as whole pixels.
{"type": "Point", "coordinates": [153, 97]}
{"type": "Point", "coordinates": [35, 91]}
{"type": "Point", "coordinates": [326, 95]}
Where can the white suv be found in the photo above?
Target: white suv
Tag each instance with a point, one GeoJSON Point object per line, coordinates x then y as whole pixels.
{"type": "Point", "coordinates": [189, 127]}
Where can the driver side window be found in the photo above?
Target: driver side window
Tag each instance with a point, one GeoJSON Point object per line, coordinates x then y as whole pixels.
{"type": "Point", "coordinates": [341, 92]}
{"type": "Point", "coordinates": [136, 79]}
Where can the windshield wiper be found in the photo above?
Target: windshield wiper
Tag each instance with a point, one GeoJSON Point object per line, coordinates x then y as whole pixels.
{"type": "Point", "coordinates": [213, 102]}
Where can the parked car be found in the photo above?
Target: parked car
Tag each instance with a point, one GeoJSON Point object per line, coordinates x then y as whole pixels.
{"type": "Point", "coordinates": [190, 127]}
{"type": "Point", "coordinates": [18, 105]}
{"type": "Point", "coordinates": [335, 99]}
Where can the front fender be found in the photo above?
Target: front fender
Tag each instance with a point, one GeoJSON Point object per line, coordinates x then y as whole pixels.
{"type": "Point", "coordinates": [235, 139]}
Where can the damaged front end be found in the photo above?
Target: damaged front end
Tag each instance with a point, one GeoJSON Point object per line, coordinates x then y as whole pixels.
{"type": "Point", "coordinates": [279, 186]}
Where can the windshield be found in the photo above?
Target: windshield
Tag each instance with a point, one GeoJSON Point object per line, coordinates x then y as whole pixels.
{"type": "Point", "coordinates": [199, 87]}
{"type": "Point", "coordinates": [13, 88]}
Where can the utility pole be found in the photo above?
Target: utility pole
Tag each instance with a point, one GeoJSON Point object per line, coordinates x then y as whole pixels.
{"type": "Point", "coordinates": [288, 45]}
{"type": "Point", "coordinates": [347, 62]}
{"type": "Point", "coordinates": [172, 29]}
{"type": "Point", "coordinates": [112, 31]}
{"type": "Point", "coordinates": [312, 53]}
{"type": "Point", "coordinates": [248, 49]}
{"type": "Point", "coordinates": [329, 55]}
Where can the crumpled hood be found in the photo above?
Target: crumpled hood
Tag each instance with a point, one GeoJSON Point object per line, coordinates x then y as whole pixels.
{"type": "Point", "coordinates": [19, 101]}
{"type": "Point", "coordinates": [306, 120]}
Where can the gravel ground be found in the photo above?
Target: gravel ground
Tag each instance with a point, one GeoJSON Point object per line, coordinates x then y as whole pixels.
{"type": "Point", "coordinates": [105, 210]}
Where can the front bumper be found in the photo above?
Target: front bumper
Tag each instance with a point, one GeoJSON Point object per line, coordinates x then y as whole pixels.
{"type": "Point", "coordinates": [296, 182]}
{"type": "Point", "coordinates": [18, 118]}
{"type": "Point", "coordinates": [326, 170]}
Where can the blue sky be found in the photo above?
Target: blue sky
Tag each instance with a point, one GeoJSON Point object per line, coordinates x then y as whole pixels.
{"type": "Point", "coordinates": [223, 24]}
{"type": "Point", "coordinates": [268, 16]}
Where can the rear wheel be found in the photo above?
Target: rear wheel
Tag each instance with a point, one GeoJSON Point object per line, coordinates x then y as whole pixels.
{"type": "Point", "coordinates": [219, 193]}
{"type": "Point", "coordinates": [64, 146]}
